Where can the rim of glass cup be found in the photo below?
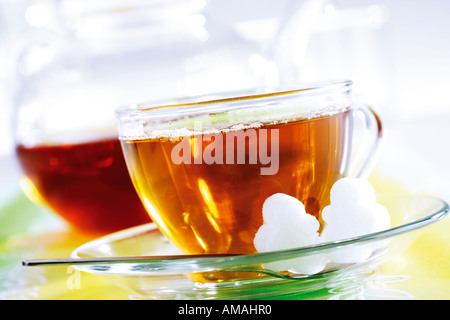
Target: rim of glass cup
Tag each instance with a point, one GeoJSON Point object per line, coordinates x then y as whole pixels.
{"type": "Point", "coordinates": [224, 111]}
{"type": "Point", "coordinates": [202, 103]}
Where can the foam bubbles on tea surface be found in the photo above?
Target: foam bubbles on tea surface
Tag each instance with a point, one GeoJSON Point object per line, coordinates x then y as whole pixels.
{"type": "Point", "coordinates": [233, 120]}
{"type": "Point", "coordinates": [353, 212]}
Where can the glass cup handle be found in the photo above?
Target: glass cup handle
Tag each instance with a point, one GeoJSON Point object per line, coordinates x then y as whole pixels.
{"type": "Point", "coordinates": [365, 158]}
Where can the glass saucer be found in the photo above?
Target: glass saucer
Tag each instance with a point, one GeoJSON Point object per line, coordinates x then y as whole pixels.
{"type": "Point", "coordinates": [251, 276]}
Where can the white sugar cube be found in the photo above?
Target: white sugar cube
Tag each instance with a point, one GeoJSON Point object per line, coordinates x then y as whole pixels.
{"type": "Point", "coordinates": [352, 190]}
{"type": "Point", "coordinates": [353, 212]}
{"type": "Point", "coordinates": [286, 226]}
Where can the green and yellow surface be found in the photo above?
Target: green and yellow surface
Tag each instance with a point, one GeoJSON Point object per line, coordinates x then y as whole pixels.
{"type": "Point", "coordinates": [28, 231]}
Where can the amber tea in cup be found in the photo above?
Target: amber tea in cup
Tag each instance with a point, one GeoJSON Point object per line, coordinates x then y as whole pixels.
{"type": "Point", "coordinates": [204, 169]}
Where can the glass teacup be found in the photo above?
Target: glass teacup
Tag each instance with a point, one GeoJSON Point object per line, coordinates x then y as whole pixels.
{"type": "Point", "coordinates": [204, 167]}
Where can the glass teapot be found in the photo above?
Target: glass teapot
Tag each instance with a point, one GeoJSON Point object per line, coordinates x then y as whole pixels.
{"type": "Point", "coordinates": [104, 54]}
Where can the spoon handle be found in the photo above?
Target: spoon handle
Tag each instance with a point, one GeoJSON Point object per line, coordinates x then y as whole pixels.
{"type": "Point", "coordinates": [107, 260]}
